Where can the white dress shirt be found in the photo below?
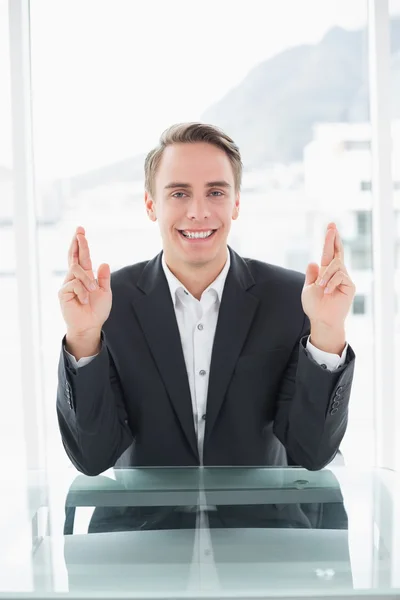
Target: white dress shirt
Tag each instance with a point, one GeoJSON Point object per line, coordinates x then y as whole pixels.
{"type": "Point", "coordinates": [197, 322]}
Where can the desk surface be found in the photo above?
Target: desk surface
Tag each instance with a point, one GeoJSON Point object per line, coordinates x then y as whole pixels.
{"type": "Point", "coordinates": [211, 532]}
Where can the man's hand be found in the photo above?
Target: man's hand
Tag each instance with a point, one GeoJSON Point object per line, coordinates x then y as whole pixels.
{"type": "Point", "coordinates": [85, 303]}
{"type": "Point", "coordinates": [327, 295]}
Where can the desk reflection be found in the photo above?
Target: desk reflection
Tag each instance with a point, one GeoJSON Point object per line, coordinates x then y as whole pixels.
{"type": "Point", "coordinates": [229, 545]}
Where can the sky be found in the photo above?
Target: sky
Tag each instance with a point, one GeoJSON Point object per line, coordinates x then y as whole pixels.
{"type": "Point", "coordinates": [108, 76]}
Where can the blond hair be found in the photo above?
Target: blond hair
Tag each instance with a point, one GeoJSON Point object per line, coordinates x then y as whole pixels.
{"type": "Point", "coordinates": [189, 133]}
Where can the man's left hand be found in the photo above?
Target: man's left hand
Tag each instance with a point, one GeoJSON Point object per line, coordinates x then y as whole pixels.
{"type": "Point", "coordinates": [328, 294]}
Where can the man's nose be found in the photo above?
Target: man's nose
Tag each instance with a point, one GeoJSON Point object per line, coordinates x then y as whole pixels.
{"type": "Point", "coordinates": [198, 208]}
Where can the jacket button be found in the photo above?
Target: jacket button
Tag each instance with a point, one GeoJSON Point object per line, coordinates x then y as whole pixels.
{"type": "Point", "coordinates": [339, 390]}
{"type": "Point", "coordinates": [335, 404]}
{"type": "Point", "coordinates": [333, 411]}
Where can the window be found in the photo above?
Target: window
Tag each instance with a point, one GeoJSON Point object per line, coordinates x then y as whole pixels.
{"type": "Point", "coordinates": [359, 305]}
{"type": "Point", "coordinates": [361, 259]}
{"type": "Point", "coordinates": [366, 186]}
{"type": "Point", "coordinates": [100, 112]}
{"type": "Point", "coordinates": [357, 145]}
{"type": "Point", "coordinates": [363, 223]}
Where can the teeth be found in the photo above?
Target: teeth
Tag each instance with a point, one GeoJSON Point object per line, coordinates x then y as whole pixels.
{"type": "Point", "coordinates": [197, 234]}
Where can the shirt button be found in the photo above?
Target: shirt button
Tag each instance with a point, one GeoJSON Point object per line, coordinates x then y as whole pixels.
{"type": "Point", "coordinates": [200, 327]}
{"type": "Point", "coordinates": [324, 366]}
{"type": "Point", "coordinates": [203, 417]}
{"type": "Point", "coordinates": [202, 372]}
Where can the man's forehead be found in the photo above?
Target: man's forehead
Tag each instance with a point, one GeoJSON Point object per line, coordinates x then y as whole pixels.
{"type": "Point", "coordinates": [207, 166]}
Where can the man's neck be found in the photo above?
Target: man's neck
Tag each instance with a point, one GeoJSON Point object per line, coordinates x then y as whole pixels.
{"type": "Point", "coordinates": [196, 279]}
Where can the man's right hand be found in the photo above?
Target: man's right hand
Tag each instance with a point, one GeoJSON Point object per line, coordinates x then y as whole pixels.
{"type": "Point", "coordinates": [84, 309]}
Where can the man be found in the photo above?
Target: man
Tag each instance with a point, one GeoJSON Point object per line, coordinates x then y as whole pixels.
{"type": "Point", "coordinates": [199, 356]}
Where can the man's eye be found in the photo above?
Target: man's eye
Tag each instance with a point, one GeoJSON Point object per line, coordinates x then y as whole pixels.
{"type": "Point", "coordinates": [217, 193]}
{"type": "Point", "coordinates": [178, 194]}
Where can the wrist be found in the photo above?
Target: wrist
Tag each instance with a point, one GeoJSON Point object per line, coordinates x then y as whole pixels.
{"type": "Point", "coordinates": [83, 343]}
{"type": "Point", "coordinates": [86, 334]}
{"type": "Point", "coordinates": [327, 338]}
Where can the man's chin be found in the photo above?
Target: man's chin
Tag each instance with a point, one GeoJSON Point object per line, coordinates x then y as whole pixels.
{"type": "Point", "coordinates": [201, 257]}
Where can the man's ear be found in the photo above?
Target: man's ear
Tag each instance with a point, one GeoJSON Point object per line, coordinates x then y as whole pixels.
{"type": "Point", "coordinates": [150, 206]}
{"type": "Point", "coordinates": [236, 206]}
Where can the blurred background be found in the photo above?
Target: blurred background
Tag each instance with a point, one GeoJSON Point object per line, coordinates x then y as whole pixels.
{"type": "Point", "coordinates": [288, 80]}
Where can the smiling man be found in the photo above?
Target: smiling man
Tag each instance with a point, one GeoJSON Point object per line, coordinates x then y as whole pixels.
{"type": "Point", "coordinates": [200, 356]}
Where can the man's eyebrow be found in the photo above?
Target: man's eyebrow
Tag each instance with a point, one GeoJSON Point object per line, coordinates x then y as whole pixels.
{"type": "Point", "coordinates": [175, 184]}
{"type": "Point", "coordinates": [220, 183]}
{"type": "Point", "coordinates": [178, 184]}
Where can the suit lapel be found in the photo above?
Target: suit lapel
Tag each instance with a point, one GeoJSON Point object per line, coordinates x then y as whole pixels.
{"type": "Point", "coordinates": [157, 319]}
{"type": "Point", "coordinates": [236, 314]}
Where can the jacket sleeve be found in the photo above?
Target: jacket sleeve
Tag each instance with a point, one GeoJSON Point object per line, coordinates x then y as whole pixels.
{"type": "Point", "coordinates": [91, 412]}
{"type": "Point", "coordinates": [312, 406]}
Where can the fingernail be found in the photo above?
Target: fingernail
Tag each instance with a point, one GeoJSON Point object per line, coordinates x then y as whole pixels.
{"type": "Point", "coordinates": [93, 287]}
{"type": "Point", "coordinates": [322, 282]}
{"type": "Point", "coordinates": [86, 301]}
{"type": "Point", "coordinates": [326, 290]}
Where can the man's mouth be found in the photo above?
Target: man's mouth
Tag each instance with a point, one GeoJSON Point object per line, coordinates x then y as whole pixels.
{"type": "Point", "coordinates": [196, 235]}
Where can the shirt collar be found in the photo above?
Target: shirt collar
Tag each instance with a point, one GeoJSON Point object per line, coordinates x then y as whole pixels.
{"type": "Point", "coordinates": [217, 285]}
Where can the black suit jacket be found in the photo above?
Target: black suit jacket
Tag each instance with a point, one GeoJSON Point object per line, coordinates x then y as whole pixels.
{"type": "Point", "coordinates": [267, 398]}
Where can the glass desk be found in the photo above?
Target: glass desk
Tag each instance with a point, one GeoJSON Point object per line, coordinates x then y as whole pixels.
{"type": "Point", "coordinates": [201, 533]}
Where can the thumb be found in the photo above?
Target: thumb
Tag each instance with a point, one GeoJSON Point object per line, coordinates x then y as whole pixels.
{"type": "Point", "coordinates": [104, 277]}
{"type": "Point", "coordinates": [312, 273]}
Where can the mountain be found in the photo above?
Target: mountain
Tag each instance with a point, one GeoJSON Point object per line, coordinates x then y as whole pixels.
{"type": "Point", "coordinates": [271, 113]}
{"type": "Point", "coordinates": [129, 169]}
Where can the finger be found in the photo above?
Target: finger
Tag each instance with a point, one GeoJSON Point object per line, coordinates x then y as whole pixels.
{"type": "Point", "coordinates": [74, 289]}
{"type": "Point", "coordinates": [328, 251]}
{"type": "Point", "coordinates": [339, 279]}
{"type": "Point", "coordinates": [328, 273]}
{"type": "Point", "coordinates": [84, 253]}
{"type": "Point", "coordinates": [76, 272]}
{"type": "Point", "coordinates": [73, 252]}
{"type": "Point", "coordinates": [339, 249]}
{"type": "Point", "coordinates": [104, 277]}
{"type": "Point", "coordinates": [311, 273]}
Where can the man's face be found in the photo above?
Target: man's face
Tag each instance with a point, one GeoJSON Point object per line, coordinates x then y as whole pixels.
{"type": "Point", "coordinates": [194, 202]}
